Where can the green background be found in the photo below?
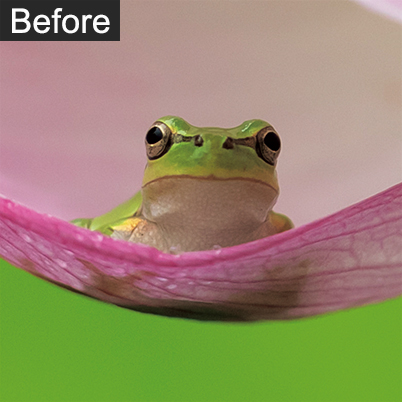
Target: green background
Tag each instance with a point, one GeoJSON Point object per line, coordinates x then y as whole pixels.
{"type": "Point", "coordinates": [60, 346]}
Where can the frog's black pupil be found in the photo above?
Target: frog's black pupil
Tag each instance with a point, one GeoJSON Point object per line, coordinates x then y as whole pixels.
{"type": "Point", "coordinates": [154, 135]}
{"type": "Point", "coordinates": [272, 141]}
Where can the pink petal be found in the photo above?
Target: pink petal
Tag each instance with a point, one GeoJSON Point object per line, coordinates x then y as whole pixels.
{"type": "Point", "coordinates": [350, 258]}
{"type": "Point", "coordinates": [390, 8]}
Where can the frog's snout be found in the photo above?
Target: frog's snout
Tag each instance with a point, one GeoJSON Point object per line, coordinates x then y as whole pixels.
{"type": "Point", "coordinates": [198, 141]}
{"type": "Point", "coordinates": [228, 144]}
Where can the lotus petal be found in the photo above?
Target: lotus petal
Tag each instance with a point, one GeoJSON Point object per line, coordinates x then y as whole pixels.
{"type": "Point", "coordinates": [351, 258]}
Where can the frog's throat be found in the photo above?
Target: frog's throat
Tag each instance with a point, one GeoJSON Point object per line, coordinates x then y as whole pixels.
{"type": "Point", "coordinates": [197, 213]}
{"type": "Point", "coordinates": [211, 177]}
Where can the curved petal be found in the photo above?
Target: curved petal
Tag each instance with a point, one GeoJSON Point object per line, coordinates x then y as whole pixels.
{"type": "Point", "coordinates": [348, 259]}
{"type": "Point", "coordinates": [390, 8]}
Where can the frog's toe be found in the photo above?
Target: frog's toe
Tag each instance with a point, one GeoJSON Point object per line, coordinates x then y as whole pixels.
{"type": "Point", "coordinates": [281, 222]}
{"type": "Point", "coordinates": [82, 222]}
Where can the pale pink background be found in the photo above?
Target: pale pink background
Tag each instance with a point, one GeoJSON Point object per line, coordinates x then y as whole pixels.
{"type": "Point", "coordinates": [327, 75]}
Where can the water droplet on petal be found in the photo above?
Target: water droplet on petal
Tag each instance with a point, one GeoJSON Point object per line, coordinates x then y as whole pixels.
{"type": "Point", "coordinates": [44, 249]}
{"type": "Point", "coordinates": [79, 237]}
{"type": "Point", "coordinates": [217, 248]}
{"type": "Point", "coordinates": [98, 237]}
{"type": "Point", "coordinates": [26, 238]}
{"type": "Point", "coordinates": [175, 249]}
{"type": "Point", "coordinates": [61, 263]}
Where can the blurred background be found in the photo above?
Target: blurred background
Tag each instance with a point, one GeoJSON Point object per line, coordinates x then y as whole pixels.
{"type": "Point", "coordinates": [326, 75]}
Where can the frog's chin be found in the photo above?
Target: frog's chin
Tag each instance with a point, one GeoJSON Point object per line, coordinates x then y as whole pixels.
{"type": "Point", "coordinates": [212, 177]}
{"type": "Point", "coordinates": [193, 205]}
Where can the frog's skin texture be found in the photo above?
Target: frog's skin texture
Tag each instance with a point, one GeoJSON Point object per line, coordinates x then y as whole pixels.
{"type": "Point", "coordinates": [203, 188]}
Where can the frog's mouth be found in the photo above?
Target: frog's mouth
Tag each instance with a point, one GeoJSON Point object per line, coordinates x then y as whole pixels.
{"type": "Point", "coordinates": [212, 177]}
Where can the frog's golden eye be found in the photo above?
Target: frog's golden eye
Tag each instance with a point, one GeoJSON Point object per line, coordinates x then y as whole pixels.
{"type": "Point", "coordinates": [268, 145]}
{"type": "Point", "coordinates": [158, 140]}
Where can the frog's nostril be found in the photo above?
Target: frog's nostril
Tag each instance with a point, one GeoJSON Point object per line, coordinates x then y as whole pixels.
{"type": "Point", "coordinates": [228, 144]}
{"type": "Point", "coordinates": [198, 141]}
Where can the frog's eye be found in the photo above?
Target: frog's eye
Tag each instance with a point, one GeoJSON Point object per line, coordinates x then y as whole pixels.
{"type": "Point", "coordinates": [268, 145]}
{"type": "Point", "coordinates": [157, 140]}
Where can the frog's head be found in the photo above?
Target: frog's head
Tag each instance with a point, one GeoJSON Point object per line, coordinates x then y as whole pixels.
{"type": "Point", "coordinates": [176, 148]}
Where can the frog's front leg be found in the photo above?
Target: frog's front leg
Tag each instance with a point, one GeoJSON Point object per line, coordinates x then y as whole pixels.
{"type": "Point", "coordinates": [89, 223]}
{"type": "Point", "coordinates": [139, 230]}
{"type": "Point", "coordinates": [280, 222]}
{"type": "Point", "coordinates": [82, 222]}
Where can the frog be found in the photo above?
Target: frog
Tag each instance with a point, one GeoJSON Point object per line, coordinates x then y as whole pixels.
{"type": "Point", "coordinates": [203, 188]}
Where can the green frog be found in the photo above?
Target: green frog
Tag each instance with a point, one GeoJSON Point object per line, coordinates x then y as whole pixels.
{"type": "Point", "coordinates": [203, 188]}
